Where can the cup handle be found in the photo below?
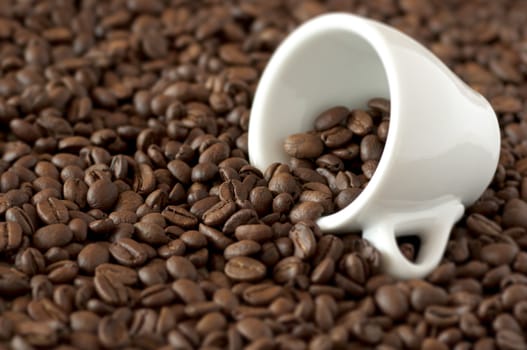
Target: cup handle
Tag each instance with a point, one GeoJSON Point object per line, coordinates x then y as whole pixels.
{"type": "Point", "coordinates": [432, 226]}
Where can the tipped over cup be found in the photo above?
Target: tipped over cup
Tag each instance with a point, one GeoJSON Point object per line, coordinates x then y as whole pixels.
{"type": "Point", "coordinates": [442, 146]}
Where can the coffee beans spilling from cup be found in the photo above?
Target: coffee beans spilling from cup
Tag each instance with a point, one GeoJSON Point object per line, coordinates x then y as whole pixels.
{"type": "Point", "coordinates": [130, 217]}
{"type": "Point", "coordinates": [344, 148]}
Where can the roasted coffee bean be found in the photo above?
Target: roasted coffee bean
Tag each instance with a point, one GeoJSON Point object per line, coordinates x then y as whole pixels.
{"type": "Point", "coordinates": [392, 301]}
{"type": "Point", "coordinates": [92, 255]}
{"type": "Point", "coordinates": [22, 218]}
{"type": "Point", "coordinates": [303, 146]}
{"type": "Point", "coordinates": [110, 291]}
{"type": "Point", "coordinates": [243, 268]}
{"type": "Point", "coordinates": [179, 216]}
{"type": "Point", "coordinates": [242, 248]}
{"type": "Point", "coordinates": [188, 291]}
{"type": "Point", "coordinates": [303, 240]}
{"type": "Point", "coordinates": [256, 232]}
{"type": "Point", "coordinates": [128, 252]}
{"type": "Point", "coordinates": [330, 118]}
{"type": "Point", "coordinates": [54, 235]}
{"type": "Point", "coordinates": [52, 211]}
{"type": "Point", "coordinates": [10, 236]}
{"type": "Point", "coordinates": [180, 267]}
{"type": "Point", "coordinates": [253, 329]}
{"type": "Point", "coordinates": [112, 332]}
{"type": "Point", "coordinates": [102, 194]}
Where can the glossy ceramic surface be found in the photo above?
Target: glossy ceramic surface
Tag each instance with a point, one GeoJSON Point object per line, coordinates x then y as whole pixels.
{"type": "Point", "coordinates": [443, 142]}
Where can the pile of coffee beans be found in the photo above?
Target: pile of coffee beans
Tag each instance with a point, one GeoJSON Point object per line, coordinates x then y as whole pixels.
{"type": "Point", "coordinates": [345, 148]}
{"type": "Point", "coordinates": [130, 217]}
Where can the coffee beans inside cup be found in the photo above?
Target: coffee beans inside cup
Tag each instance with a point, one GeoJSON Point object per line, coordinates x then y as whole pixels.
{"type": "Point", "coordinates": [344, 147]}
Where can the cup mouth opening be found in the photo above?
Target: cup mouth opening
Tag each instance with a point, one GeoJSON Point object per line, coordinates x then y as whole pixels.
{"type": "Point", "coordinates": [368, 32]}
{"type": "Point", "coordinates": [290, 88]}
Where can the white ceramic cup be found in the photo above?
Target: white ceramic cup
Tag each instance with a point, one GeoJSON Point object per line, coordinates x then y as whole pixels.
{"type": "Point", "coordinates": [443, 141]}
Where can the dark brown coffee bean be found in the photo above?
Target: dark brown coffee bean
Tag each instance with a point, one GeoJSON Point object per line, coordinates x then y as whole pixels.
{"type": "Point", "coordinates": [180, 267]}
{"type": "Point", "coordinates": [303, 240]}
{"type": "Point", "coordinates": [255, 232]}
{"type": "Point", "coordinates": [219, 213]}
{"type": "Point", "coordinates": [243, 268]}
{"type": "Point", "coordinates": [76, 191]}
{"type": "Point", "coordinates": [252, 329]}
{"type": "Point", "coordinates": [151, 233]}
{"type": "Point", "coordinates": [336, 137]}
{"type": "Point", "coordinates": [424, 295]}
{"type": "Point", "coordinates": [22, 218]}
{"type": "Point", "coordinates": [330, 118]}
{"type": "Point", "coordinates": [303, 146]}
{"type": "Point", "coordinates": [242, 248]}
{"type": "Point", "coordinates": [514, 213]}
{"type": "Point", "coordinates": [392, 301]}
{"type": "Point", "coordinates": [128, 252]}
{"type": "Point", "coordinates": [102, 194]}
{"type": "Point", "coordinates": [110, 291]}
{"type": "Point", "coordinates": [92, 255]}
{"type": "Point", "coordinates": [380, 104]}
{"type": "Point", "coordinates": [370, 148]}
{"type": "Point", "coordinates": [179, 216]}
{"type": "Point", "coordinates": [54, 235]}
{"type": "Point", "coordinates": [306, 211]}
{"type": "Point", "coordinates": [360, 122]}
{"type": "Point", "coordinates": [284, 182]}
{"type": "Point", "coordinates": [10, 236]}
{"type": "Point", "coordinates": [188, 291]}
{"type": "Point", "coordinates": [498, 253]}
{"type": "Point", "coordinates": [112, 333]}
{"type": "Point", "coordinates": [157, 295]}
{"type": "Point", "coordinates": [52, 211]}
{"type": "Point", "coordinates": [261, 294]}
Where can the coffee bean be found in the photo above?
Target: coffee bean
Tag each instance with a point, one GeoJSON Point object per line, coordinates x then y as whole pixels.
{"type": "Point", "coordinates": [102, 194]}
{"type": "Point", "coordinates": [54, 235]}
{"type": "Point", "coordinates": [303, 146]}
{"type": "Point", "coordinates": [10, 236]}
{"type": "Point", "coordinates": [499, 253]}
{"type": "Point", "coordinates": [255, 232]}
{"type": "Point", "coordinates": [219, 213]}
{"type": "Point", "coordinates": [112, 333]}
{"type": "Point", "coordinates": [243, 268]}
{"type": "Point", "coordinates": [128, 252]}
{"type": "Point", "coordinates": [179, 216]}
{"type": "Point", "coordinates": [93, 255]}
{"type": "Point", "coordinates": [360, 122]}
{"type": "Point", "coordinates": [330, 118]}
{"type": "Point", "coordinates": [30, 261]}
{"type": "Point", "coordinates": [151, 233]}
{"type": "Point", "coordinates": [109, 290]}
{"type": "Point", "coordinates": [52, 211]}
{"type": "Point", "coordinates": [242, 248]}
{"type": "Point", "coordinates": [303, 240]}
{"type": "Point", "coordinates": [157, 295]}
{"type": "Point", "coordinates": [252, 329]}
{"type": "Point", "coordinates": [180, 267]}
{"type": "Point", "coordinates": [188, 291]}
{"type": "Point", "coordinates": [392, 301]}
{"type": "Point", "coordinates": [425, 294]}
{"type": "Point", "coordinates": [261, 294]}
{"type": "Point", "coordinates": [22, 218]}
{"type": "Point", "coordinates": [306, 211]}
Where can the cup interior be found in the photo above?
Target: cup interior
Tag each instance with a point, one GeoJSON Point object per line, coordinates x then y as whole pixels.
{"type": "Point", "coordinates": [314, 69]}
